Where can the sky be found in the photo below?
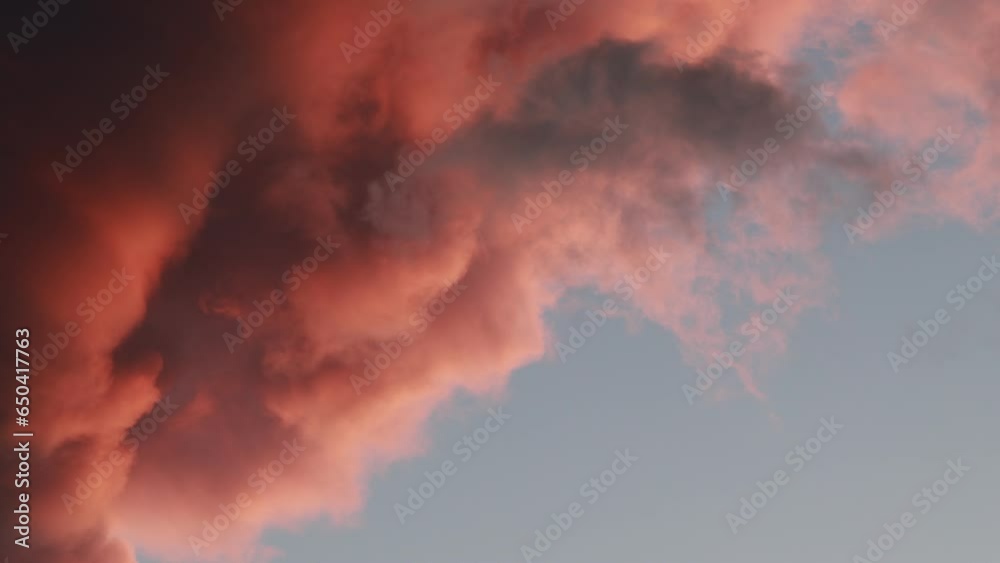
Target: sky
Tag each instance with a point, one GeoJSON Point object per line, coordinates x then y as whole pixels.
{"type": "Point", "coordinates": [382, 281]}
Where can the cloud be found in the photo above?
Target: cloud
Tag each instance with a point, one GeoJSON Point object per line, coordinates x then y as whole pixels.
{"type": "Point", "coordinates": [401, 246]}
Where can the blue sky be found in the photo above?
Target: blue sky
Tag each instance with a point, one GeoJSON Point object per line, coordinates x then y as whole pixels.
{"type": "Point", "coordinates": [695, 463]}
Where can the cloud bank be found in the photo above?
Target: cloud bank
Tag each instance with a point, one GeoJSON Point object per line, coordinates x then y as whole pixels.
{"type": "Point", "coordinates": [324, 263]}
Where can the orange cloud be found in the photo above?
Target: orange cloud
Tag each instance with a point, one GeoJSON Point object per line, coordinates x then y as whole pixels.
{"type": "Point", "coordinates": [402, 244]}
